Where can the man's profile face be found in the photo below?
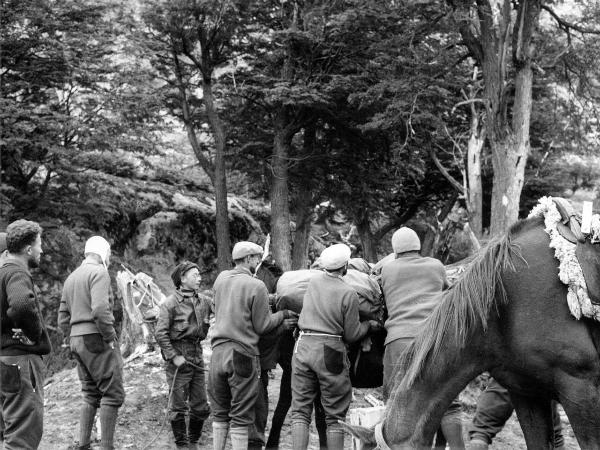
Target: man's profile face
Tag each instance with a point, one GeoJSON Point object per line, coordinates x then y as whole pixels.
{"type": "Point", "coordinates": [254, 260]}
{"type": "Point", "coordinates": [191, 279]}
{"type": "Point", "coordinates": [34, 253]}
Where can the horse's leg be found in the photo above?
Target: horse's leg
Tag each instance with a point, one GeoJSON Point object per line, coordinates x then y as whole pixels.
{"type": "Point", "coordinates": [580, 399]}
{"type": "Point", "coordinates": [285, 393]}
{"type": "Point", "coordinates": [535, 418]}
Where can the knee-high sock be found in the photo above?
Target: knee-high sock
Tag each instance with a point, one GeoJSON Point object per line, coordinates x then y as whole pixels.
{"type": "Point", "coordinates": [239, 438]}
{"type": "Point", "coordinates": [220, 430]}
{"type": "Point", "coordinates": [299, 436]}
{"type": "Point", "coordinates": [108, 423]}
{"type": "Point", "coordinates": [86, 423]}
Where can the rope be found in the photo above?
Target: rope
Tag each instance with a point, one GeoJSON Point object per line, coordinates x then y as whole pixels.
{"type": "Point", "coordinates": [167, 413]}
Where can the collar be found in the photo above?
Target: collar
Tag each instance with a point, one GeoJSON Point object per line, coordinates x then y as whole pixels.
{"type": "Point", "coordinates": [93, 263]}
{"type": "Point", "coordinates": [17, 262]}
{"type": "Point", "coordinates": [381, 444]}
{"type": "Point", "coordinates": [333, 275]}
{"type": "Point", "coordinates": [180, 297]}
{"type": "Point", "coordinates": [243, 270]}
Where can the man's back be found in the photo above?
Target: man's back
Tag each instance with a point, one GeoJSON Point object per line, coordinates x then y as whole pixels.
{"type": "Point", "coordinates": [412, 286]}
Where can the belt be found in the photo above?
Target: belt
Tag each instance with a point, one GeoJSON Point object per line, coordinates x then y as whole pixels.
{"type": "Point", "coordinates": [318, 333]}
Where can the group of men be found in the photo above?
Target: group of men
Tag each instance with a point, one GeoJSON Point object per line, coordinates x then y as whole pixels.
{"type": "Point", "coordinates": [329, 320]}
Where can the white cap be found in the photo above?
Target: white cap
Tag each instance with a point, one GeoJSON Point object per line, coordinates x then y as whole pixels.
{"type": "Point", "coordinates": [99, 246]}
{"type": "Point", "coordinates": [245, 248]}
{"type": "Point", "coordinates": [405, 240]}
{"type": "Point", "coordinates": [335, 257]}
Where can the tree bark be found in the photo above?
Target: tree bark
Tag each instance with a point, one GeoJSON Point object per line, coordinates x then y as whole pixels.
{"type": "Point", "coordinates": [475, 189]}
{"type": "Point", "coordinates": [280, 208]}
{"type": "Point", "coordinates": [220, 180]}
{"type": "Point", "coordinates": [366, 238]}
{"type": "Point", "coordinates": [304, 216]}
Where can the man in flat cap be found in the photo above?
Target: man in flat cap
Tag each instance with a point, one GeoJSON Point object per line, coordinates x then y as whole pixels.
{"type": "Point", "coordinates": [412, 286]}
{"type": "Point", "coordinates": [328, 320]}
{"type": "Point", "coordinates": [242, 314]}
{"type": "Point", "coordinates": [182, 324]}
{"type": "Point", "coordinates": [86, 317]}
{"type": "Point", "coordinates": [24, 339]}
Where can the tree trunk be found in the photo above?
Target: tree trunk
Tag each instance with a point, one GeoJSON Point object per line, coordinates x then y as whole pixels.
{"type": "Point", "coordinates": [366, 238]}
{"type": "Point", "coordinates": [280, 209]}
{"type": "Point", "coordinates": [509, 155]}
{"type": "Point", "coordinates": [475, 190]}
{"type": "Point", "coordinates": [304, 216]}
{"type": "Point", "coordinates": [219, 181]}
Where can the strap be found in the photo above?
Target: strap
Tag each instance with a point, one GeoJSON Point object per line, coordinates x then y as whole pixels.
{"type": "Point", "coordinates": [381, 444]}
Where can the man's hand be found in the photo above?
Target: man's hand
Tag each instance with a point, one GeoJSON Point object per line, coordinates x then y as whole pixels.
{"type": "Point", "coordinates": [289, 314]}
{"type": "Point", "coordinates": [374, 325]}
{"type": "Point", "coordinates": [18, 334]}
{"type": "Point", "coordinates": [178, 361]}
{"type": "Point", "coordinates": [290, 324]}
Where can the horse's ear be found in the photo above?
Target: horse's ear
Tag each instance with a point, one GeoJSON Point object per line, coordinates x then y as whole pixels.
{"type": "Point", "coordinates": [366, 435]}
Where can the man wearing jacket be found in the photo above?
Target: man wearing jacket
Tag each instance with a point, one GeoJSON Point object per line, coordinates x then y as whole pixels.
{"type": "Point", "coordinates": [328, 320]}
{"type": "Point", "coordinates": [86, 316]}
{"type": "Point", "coordinates": [182, 324]}
{"type": "Point", "coordinates": [23, 341]}
{"type": "Point", "coordinates": [242, 314]}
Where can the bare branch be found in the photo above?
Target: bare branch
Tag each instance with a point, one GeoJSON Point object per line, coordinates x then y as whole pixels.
{"type": "Point", "coordinates": [459, 187]}
{"type": "Point", "coordinates": [566, 25]}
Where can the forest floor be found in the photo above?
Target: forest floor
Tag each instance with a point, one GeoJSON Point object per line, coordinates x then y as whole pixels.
{"type": "Point", "coordinates": [142, 425]}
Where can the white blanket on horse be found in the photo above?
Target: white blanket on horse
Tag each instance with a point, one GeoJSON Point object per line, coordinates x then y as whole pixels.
{"type": "Point", "coordinates": [570, 271]}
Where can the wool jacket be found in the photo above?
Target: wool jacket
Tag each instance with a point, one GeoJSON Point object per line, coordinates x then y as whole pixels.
{"type": "Point", "coordinates": [182, 317]}
{"type": "Point", "coordinates": [20, 309]}
{"type": "Point", "coordinates": [242, 312]}
{"type": "Point", "coordinates": [412, 285]}
{"type": "Point", "coordinates": [85, 305]}
{"type": "Point", "coordinates": [331, 306]}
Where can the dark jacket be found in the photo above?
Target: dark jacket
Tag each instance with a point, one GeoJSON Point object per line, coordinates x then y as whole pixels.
{"type": "Point", "coordinates": [20, 309]}
{"type": "Point", "coordinates": [181, 318]}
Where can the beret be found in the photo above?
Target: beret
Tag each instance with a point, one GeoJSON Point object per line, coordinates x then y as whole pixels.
{"type": "Point", "coordinates": [335, 257]}
{"type": "Point", "coordinates": [245, 248]}
{"type": "Point", "coordinates": [405, 240]}
{"type": "Point", "coordinates": [180, 270]}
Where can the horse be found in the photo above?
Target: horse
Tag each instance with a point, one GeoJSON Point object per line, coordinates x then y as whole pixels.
{"type": "Point", "coordinates": [507, 315]}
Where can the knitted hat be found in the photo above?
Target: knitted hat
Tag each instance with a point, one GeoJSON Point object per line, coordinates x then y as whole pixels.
{"type": "Point", "coordinates": [405, 240]}
{"type": "Point", "coordinates": [2, 242]}
{"type": "Point", "coordinates": [335, 257]}
{"type": "Point", "coordinates": [180, 270]}
{"type": "Point", "coordinates": [244, 248]}
{"type": "Point", "coordinates": [99, 246]}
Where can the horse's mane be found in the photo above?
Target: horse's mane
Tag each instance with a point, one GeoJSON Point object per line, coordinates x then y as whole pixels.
{"type": "Point", "coordinates": [464, 306]}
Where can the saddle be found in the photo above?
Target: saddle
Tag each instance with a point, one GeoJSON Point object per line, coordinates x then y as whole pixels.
{"type": "Point", "coordinates": [587, 253]}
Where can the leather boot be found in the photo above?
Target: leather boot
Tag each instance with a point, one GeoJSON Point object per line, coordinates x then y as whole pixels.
{"type": "Point", "coordinates": [335, 439]}
{"type": "Point", "coordinates": [180, 432]}
{"type": "Point", "coordinates": [299, 436]}
{"type": "Point", "coordinates": [194, 432]}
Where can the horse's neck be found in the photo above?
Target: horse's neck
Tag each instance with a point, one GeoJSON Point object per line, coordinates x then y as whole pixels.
{"type": "Point", "coordinates": [414, 413]}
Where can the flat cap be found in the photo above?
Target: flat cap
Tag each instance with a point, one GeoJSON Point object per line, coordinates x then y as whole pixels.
{"type": "Point", "coordinates": [245, 248]}
{"type": "Point", "coordinates": [2, 242]}
{"type": "Point", "coordinates": [335, 257]}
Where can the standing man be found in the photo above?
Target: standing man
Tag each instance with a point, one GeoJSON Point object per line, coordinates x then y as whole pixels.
{"type": "Point", "coordinates": [23, 340]}
{"type": "Point", "coordinates": [328, 320]}
{"type": "Point", "coordinates": [86, 316]}
{"type": "Point", "coordinates": [242, 314]}
{"type": "Point", "coordinates": [182, 324]}
{"type": "Point", "coordinates": [412, 286]}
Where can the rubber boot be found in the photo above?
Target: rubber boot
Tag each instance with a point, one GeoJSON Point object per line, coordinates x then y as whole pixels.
{"type": "Point", "coordinates": [299, 436]}
{"type": "Point", "coordinates": [194, 432]}
{"type": "Point", "coordinates": [180, 432]}
{"type": "Point", "coordinates": [108, 423]}
{"type": "Point", "coordinates": [239, 438]}
{"type": "Point", "coordinates": [86, 423]}
{"type": "Point", "coordinates": [220, 430]}
{"type": "Point", "coordinates": [335, 439]}
{"type": "Point", "coordinates": [452, 429]}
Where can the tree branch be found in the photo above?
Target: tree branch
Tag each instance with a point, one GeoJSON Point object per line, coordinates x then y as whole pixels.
{"type": "Point", "coordinates": [459, 187]}
{"type": "Point", "coordinates": [568, 25]}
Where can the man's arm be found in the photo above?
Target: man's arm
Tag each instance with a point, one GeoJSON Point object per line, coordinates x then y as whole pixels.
{"type": "Point", "coordinates": [101, 311]}
{"type": "Point", "coordinates": [354, 329]}
{"type": "Point", "coordinates": [262, 319]}
{"type": "Point", "coordinates": [22, 307]}
{"type": "Point", "coordinates": [161, 332]}
{"type": "Point", "coordinates": [64, 315]}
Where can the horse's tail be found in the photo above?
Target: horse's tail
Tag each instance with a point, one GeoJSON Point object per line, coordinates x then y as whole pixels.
{"type": "Point", "coordinates": [465, 306]}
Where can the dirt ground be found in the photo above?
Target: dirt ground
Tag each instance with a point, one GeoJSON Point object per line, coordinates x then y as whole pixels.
{"type": "Point", "coordinates": [142, 425]}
